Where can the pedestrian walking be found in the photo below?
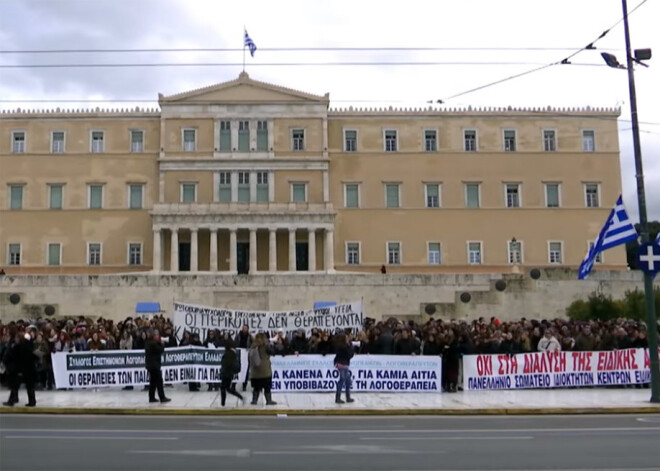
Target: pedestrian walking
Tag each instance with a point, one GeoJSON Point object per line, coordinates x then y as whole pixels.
{"type": "Point", "coordinates": [152, 352]}
{"type": "Point", "coordinates": [261, 374]}
{"type": "Point", "coordinates": [230, 368]}
{"type": "Point", "coordinates": [343, 355]}
{"type": "Point", "coordinates": [19, 360]}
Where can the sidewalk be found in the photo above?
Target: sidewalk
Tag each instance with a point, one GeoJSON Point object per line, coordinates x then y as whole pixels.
{"type": "Point", "coordinates": [549, 401]}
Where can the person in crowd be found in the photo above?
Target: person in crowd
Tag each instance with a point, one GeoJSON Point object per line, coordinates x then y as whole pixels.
{"type": "Point", "coordinates": [231, 366]}
{"type": "Point", "coordinates": [19, 360]}
{"type": "Point", "coordinates": [126, 342]}
{"type": "Point", "coordinates": [243, 340]}
{"type": "Point", "coordinates": [279, 343]}
{"type": "Point", "coordinates": [212, 341]}
{"type": "Point", "coordinates": [324, 346]}
{"type": "Point", "coordinates": [42, 355]}
{"type": "Point", "coordinates": [299, 344]}
{"type": "Point", "coordinates": [261, 374]}
{"type": "Point", "coordinates": [342, 362]}
{"type": "Point", "coordinates": [195, 342]}
{"type": "Point", "coordinates": [384, 343]}
{"type": "Point", "coordinates": [549, 343]}
{"type": "Point", "coordinates": [95, 343]}
{"type": "Point", "coordinates": [406, 344]}
{"type": "Point", "coordinates": [169, 339]}
{"type": "Point", "coordinates": [152, 357]}
{"type": "Point", "coordinates": [585, 342]}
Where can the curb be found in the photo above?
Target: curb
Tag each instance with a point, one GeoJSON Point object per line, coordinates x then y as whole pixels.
{"type": "Point", "coordinates": [330, 412]}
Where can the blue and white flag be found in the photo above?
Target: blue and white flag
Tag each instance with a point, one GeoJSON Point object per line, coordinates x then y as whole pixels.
{"type": "Point", "coordinates": [618, 230]}
{"type": "Point", "coordinates": [249, 43]}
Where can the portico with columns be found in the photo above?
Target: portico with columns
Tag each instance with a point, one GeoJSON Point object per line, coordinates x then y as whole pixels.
{"type": "Point", "coordinates": [243, 243]}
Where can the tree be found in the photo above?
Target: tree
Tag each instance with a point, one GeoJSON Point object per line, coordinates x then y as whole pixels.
{"type": "Point", "coordinates": [631, 247]}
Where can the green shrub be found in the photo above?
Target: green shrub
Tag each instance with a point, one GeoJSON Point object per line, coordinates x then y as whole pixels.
{"type": "Point", "coordinates": [601, 307]}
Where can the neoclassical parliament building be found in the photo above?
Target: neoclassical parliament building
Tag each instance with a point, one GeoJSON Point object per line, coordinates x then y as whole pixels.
{"type": "Point", "coordinates": [246, 177]}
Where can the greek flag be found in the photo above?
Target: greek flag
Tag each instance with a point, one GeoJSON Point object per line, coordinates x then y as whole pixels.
{"type": "Point", "coordinates": [618, 229]}
{"type": "Point", "coordinates": [249, 43]}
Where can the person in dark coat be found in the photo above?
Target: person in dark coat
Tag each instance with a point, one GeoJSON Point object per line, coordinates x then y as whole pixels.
{"type": "Point", "coordinates": [20, 362]}
{"type": "Point", "coordinates": [152, 358]}
{"type": "Point", "coordinates": [196, 342]}
{"type": "Point", "coordinates": [230, 367]}
{"type": "Point", "coordinates": [261, 373]}
{"type": "Point", "coordinates": [299, 344]}
{"type": "Point", "coordinates": [406, 345]}
{"type": "Point", "coordinates": [344, 353]}
{"type": "Point", "coordinates": [384, 344]}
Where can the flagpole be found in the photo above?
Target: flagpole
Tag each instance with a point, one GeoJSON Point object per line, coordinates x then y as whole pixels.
{"type": "Point", "coordinates": [243, 48]}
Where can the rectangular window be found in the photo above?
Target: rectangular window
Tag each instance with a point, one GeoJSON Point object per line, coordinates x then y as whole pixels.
{"type": "Point", "coordinates": [14, 254]}
{"type": "Point", "coordinates": [95, 196]}
{"type": "Point", "coordinates": [352, 197]}
{"type": "Point", "coordinates": [54, 254]}
{"type": "Point", "coordinates": [470, 140]}
{"type": "Point", "coordinates": [430, 140]}
{"type": "Point", "coordinates": [393, 253]}
{"type": "Point", "coordinates": [55, 196]}
{"type": "Point", "coordinates": [299, 192]}
{"type": "Point", "coordinates": [188, 192]}
{"type": "Point", "coordinates": [15, 196]}
{"type": "Point", "coordinates": [350, 140]}
{"type": "Point", "coordinates": [591, 195]}
{"type": "Point", "coordinates": [137, 141]}
{"type": "Point", "coordinates": [588, 141]}
{"type": "Point", "coordinates": [474, 253]}
{"type": "Point", "coordinates": [244, 187]}
{"type": "Point", "coordinates": [262, 136]}
{"type": "Point", "coordinates": [554, 255]}
{"type": "Point", "coordinates": [512, 191]}
{"type": "Point", "coordinates": [224, 191]}
{"type": "Point", "coordinates": [390, 140]}
{"type": "Point", "coordinates": [353, 253]}
{"type": "Point", "coordinates": [599, 256]}
{"type": "Point", "coordinates": [392, 199]}
{"type": "Point", "coordinates": [432, 195]}
{"type": "Point", "coordinates": [225, 136]}
{"type": "Point", "coordinates": [135, 192]}
{"type": "Point", "coordinates": [94, 253]}
{"type": "Point", "coordinates": [57, 142]}
{"type": "Point", "coordinates": [98, 140]}
{"type": "Point", "coordinates": [472, 195]}
{"type": "Point", "coordinates": [552, 195]}
{"type": "Point", "coordinates": [434, 253]}
{"type": "Point", "coordinates": [549, 142]}
{"type": "Point", "coordinates": [243, 136]}
{"type": "Point", "coordinates": [509, 140]}
{"type": "Point", "coordinates": [189, 138]}
{"type": "Point", "coordinates": [298, 139]}
{"type": "Point", "coordinates": [135, 254]}
{"type": "Point", "coordinates": [262, 187]}
{"type": "Point", "coordinates": [515, 252]}
{"type": "Point", "coordinates": [18, 142]}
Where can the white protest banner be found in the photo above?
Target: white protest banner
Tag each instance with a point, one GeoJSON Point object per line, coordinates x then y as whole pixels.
{"type": "Point", "coordinates": [119, 368]}
{"type": "Point", "coordinates": [384, 373]}
{"type": "Point", "coordinates": [201, 319]}
{"type": "Point", "coordinates": [542, 370]}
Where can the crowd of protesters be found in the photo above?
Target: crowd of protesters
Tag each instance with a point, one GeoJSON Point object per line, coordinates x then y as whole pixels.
{"type": "Point", "coordinates": [451, 339]}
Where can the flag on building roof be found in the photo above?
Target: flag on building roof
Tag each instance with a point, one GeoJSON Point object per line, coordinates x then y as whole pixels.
{"type": "Point", "coordinates": [249, 43]}
{"type": "Point", "coordinates": [618, 230]}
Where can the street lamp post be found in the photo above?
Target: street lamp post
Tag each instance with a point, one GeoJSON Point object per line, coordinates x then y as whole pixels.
{"type": "Point", "coordinates": [651, 320]}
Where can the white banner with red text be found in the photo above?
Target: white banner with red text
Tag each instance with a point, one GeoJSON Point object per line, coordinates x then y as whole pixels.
{"type": "Point", "coordinates": [542, 370]}
{"type": "Point", "coordinates": [121, 368]}
{"type": "Point", "coordinates": [384, 373]}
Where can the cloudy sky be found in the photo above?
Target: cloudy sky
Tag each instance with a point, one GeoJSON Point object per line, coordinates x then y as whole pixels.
{"type": "Point", "coordinates": [474, 42]}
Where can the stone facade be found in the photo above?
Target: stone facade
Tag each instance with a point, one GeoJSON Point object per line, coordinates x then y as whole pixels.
{"type": "Point", "coordinates": [405, 296]}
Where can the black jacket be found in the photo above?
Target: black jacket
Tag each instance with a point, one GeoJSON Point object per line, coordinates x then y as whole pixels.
{"type": "Point", "coordinates": [384, 344]}
{"type": "Point", "coordinates": [343, 355]}
{"type": "Point", "coordinates": [406, 346]}
{"type": "Point", "coordinates": [20, 359]}
{"type": "Point", "coordinates": [230, 364]}
{"type": "Point", "coordinates": [152, 352]}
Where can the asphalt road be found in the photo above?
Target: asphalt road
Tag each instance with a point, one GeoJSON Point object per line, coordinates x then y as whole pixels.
{"type": "Point", "coordinates": [145, 443]}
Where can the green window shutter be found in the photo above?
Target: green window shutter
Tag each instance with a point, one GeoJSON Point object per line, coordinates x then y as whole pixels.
{"type": "Point", "coordinates": [136, 197]}
{"type": "Point", "coordinates": [472, 196]}
{"type": "Point", "coordinates": [16, 197]}
{"type": "Point", "coordinates": [95, 197]}
{"type": "Point", "coordinates": [53, 254]}
{"type": "Point", "coordinates": [299, 193]}
{"type": "Point", "coordinates": [392, 192]}
{"type": "Point", "coordinates": [188, 193]}
{"type": "Point", "coordinates": [552, 196]}
{"type": "Point", "coordinates": [352, 196]}
{"type": "Point", "coordinates": [56, 197]}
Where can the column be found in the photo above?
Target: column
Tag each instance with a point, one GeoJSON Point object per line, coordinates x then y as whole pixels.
{"type": "Point", "coordinates": [272, 250]}
{"type": "Point", "coordinates": [271, 187]}
{"type": "Point", "coordinates": [326, 187]}
{"type": "Point", "coordinates": [174, 250]}
{"type": "Point", "coordinates": [292, 249]}
{"type": "Point", "coordinates": [253, 252]}
{"type": "Point", "coordinates": [213, 265]}
{"type": "Point", "coordinates": [232, 251]}
{"type": "Point", "coordinates": [157, 250]}
{"type": "Point", "coordinates": [161, 187]}
{"type": "Point", "coordinates": [329, 250]}
{"type": "Point", "coordinates": [311, 245]}
{"type": "Point", "coordinates": [194, 251]}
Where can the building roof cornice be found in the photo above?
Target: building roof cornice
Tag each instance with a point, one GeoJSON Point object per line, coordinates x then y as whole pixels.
{"type": "Point", "coordinates": [136, 112]}
{"type": "Point", "coordinates": [472, 111]}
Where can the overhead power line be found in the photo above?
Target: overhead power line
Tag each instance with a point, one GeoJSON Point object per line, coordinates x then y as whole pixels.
{"type": "Point", "coordinates": [273, 64]}
{"type": "Point", "coordinates": [283, 49]}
